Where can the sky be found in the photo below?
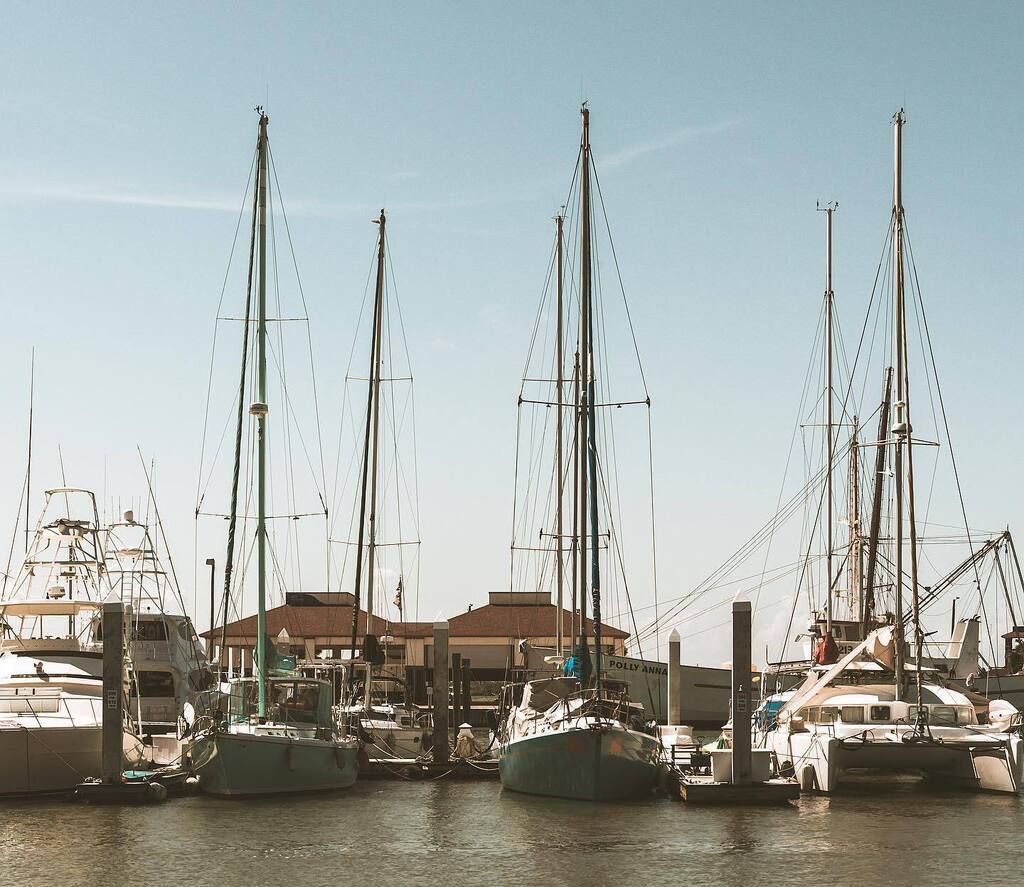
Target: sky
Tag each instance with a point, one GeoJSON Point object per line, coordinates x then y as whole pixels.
{"type": "Point", "coordinates": [127, 137]}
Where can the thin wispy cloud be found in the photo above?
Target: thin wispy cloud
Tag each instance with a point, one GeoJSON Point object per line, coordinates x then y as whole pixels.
{"type": "Point", "coordinates": [674, 139]}
{"type": "Point", "coordinates": [70, 193]}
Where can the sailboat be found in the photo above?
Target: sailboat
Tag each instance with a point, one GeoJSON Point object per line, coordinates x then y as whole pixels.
{"type": "Point", "coordinates": [377, 702]}
{"type": "Point", "coordinates": [869, 708]}
{"type": "Point", "coordinates": [51, 657]}
{"type": "Point", "coordinates": [275, 732]}
{"type": "Point", "coordinates": [577, 735]}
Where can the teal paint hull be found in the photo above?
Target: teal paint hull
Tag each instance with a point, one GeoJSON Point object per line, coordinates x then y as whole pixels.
{"type": "Point", "coordinates": [582, 764]}
{"type": "Point", "coordinates": [233, 765]}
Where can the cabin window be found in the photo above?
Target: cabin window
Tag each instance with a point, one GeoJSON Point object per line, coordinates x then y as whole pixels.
{"type": "Point", "coordinates": [811, 715]}
{"type": "Point", "coordinates": [827, 714]}
{"type": "Point", "coordinates": [150, 630]}
{"type": "Point", "coordinates": [942, 715]}
{"type": "Point", "coordinates": [154, 683]}
{"type": "Point", "coordinates": [881, 713]}
{"type": "Point", "coordinates": [965, 715]}
{"type": "Point", "coordinates": [852, 714]}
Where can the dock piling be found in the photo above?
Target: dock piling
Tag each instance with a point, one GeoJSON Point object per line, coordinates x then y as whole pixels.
{"type": "Point", "coordinates": [113, 691]}
{"type": "Point", "coordinates": [440, 694]}
{"type": "Point", "coordinates": [467, 692]}
{"type": "Point", "coordinates": [675, 675]}
{"type": "Point", "coordinates": [741, 638]}
{"type": "Point", "coordinates": [456, 681]}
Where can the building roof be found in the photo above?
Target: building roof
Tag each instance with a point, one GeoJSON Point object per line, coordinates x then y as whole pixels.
{"type": "Point", "coordinates": [491, 620]}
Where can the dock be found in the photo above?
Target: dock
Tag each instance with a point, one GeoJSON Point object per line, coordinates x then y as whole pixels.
{"type": "Point", "coordinates": [412, 769]}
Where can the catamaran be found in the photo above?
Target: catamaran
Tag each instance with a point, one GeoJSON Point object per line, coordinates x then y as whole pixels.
{"type": "Point", "coordinates": [577, 735]}
{"type": "Point", "coordinates": [274, 732]}
{"type": "Point", "coordinates": [866, 706]}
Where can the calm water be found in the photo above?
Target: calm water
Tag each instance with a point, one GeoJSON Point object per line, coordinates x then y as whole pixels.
{"type": "Point", "coordinates": [445, 833]}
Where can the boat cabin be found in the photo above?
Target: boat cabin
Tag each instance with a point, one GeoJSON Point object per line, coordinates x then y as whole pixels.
{"type": "Point", "coordinates": [291, 701]}
{"type": "Point", "coordinates": [886, 713]}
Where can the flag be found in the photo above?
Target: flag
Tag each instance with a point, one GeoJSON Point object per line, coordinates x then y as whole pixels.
{"type": "Point", "coordinates": [398, 595]}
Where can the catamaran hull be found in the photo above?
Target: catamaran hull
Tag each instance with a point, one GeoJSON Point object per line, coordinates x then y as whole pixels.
{"type": "Point", "coordinates": [232, 765]}
{"type": "Point", "coordinates": [822, 763]}
{"type": "Point", "coordinates": [582, 764]}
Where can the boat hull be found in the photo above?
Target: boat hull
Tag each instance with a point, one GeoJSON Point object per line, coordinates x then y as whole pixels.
{"type": "Point", "coordinates": [232, 765]}
{"type": "Point", "coordinates": [588, 764]}
{"type": "Point", "coordinates": [37, 760]}
{"type": "Point", "coordinates": [975, 762]}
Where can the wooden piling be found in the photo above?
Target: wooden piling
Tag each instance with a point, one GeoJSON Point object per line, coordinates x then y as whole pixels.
{"type": "Point", "coordinates": [467, 692]}
{"type": "Point", "coordinates": [440, 694]}
{"type": "Point", "coordinates": [675, 675]}
{"type": "Point", "coordinates": [741, 639]}
{"type": "Point", "coordinates": [113, 691]}
{"type": "Point", "coordinates": [456, 681]}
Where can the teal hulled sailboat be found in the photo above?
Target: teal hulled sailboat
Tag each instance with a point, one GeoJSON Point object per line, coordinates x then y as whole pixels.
{"type": "Point", "coordinates": [276, 732]}
{"type": "Point", "coordinates": [576, 735]}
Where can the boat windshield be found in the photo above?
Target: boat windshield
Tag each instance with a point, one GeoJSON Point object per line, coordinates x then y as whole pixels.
{"type": "Point", "coordinates": [298, 701]}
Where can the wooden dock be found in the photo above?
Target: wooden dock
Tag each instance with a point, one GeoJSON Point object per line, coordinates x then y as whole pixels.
{"type": "Point", "coordinates": [412, 769]}
{"type": "Point", "coordinates": [704, 790]}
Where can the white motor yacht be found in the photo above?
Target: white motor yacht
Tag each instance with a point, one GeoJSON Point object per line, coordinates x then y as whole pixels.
{"type": "Point", "coordinates": [51, 685]}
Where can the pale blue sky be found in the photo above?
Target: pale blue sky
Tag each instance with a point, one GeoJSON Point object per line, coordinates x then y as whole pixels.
{"type": "Point", "coordinates": [127, 133]}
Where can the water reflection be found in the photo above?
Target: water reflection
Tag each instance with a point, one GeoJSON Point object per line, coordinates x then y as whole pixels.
{"type": "Point", "coordinates": [441, 833]}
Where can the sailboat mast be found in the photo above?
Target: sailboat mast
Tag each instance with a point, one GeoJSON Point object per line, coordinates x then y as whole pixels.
{"type": "Point", "coordinates": [590, 473]}
{"type": "Point", "coordinates": [28, 469]}
{"type": "Point", "coordinates": [905, 426]}
{"type": "Point", "coordinates": [856, 554]}
{"type": "Point", "coordinates": [874, 528]}
{"type": "Point", "coordinates": [369, 458]}
{"type": "Point", "coordinates": [575, 553]}
{"type": "Point", "coordinates": [378, 313]}
{"type": "Point", "coordinates": [900, 425]}
{"type": "Point", "coordinates": [584, 376]}
{"type": "Point", "coordinates": [259, 409]}
{"type": "Point", "coordinates": [559, 563]}
{"type": "Point", "coordinates": [830, 445]}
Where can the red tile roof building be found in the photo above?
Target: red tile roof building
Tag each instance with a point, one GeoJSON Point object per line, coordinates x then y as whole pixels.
{"type": "Point", "coordinates": [489, 636]}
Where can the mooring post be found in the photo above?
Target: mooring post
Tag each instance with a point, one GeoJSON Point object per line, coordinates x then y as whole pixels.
{"type": "Point", "coordinates": [441, 747]}
{"type": "Point", "coordinates": [675, 675]}
{"type": "Point", "coordinates": [456, 689]}
{"type": "Point", "coordinates": [113, 691]}
{"type": "Point", "coordinates": [741, 628]}
{"type": "Point", "coordinates": [467, 692]}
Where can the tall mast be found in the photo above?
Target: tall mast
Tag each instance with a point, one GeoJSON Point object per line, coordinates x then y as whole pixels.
{"type": "Point", "coordinates": [868, 601]}
{"type": "Point", "coordinates": [856, 555]}
{"type": "Point", "coordinates": [589, 373]}
{"type": "Point", "coordinates": [368, 486]}
{"type": "Point", "coordinates": [584, 376]}
{"type": "Point", "coordinates": [904, 476]}
{"type": "Point", "coordinates": [259, 410]}
{"type": "Point", "coordinates": [28, 469]}
{"type": "Point", "coordinates": [559, 564]}
{"type": "Point", "coordinates": [829, 445]}
{"type": "Point", "coordinates": [371, 548]}
{"type": "Point", "coordinates": [575, 551]}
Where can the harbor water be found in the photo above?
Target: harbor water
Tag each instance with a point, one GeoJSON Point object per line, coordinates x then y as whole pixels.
{"type": "Point", "coordinates": [447, 833]}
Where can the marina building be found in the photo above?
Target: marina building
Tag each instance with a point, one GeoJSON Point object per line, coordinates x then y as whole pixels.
{"type": "Point", "coordinates": [494, 639]}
